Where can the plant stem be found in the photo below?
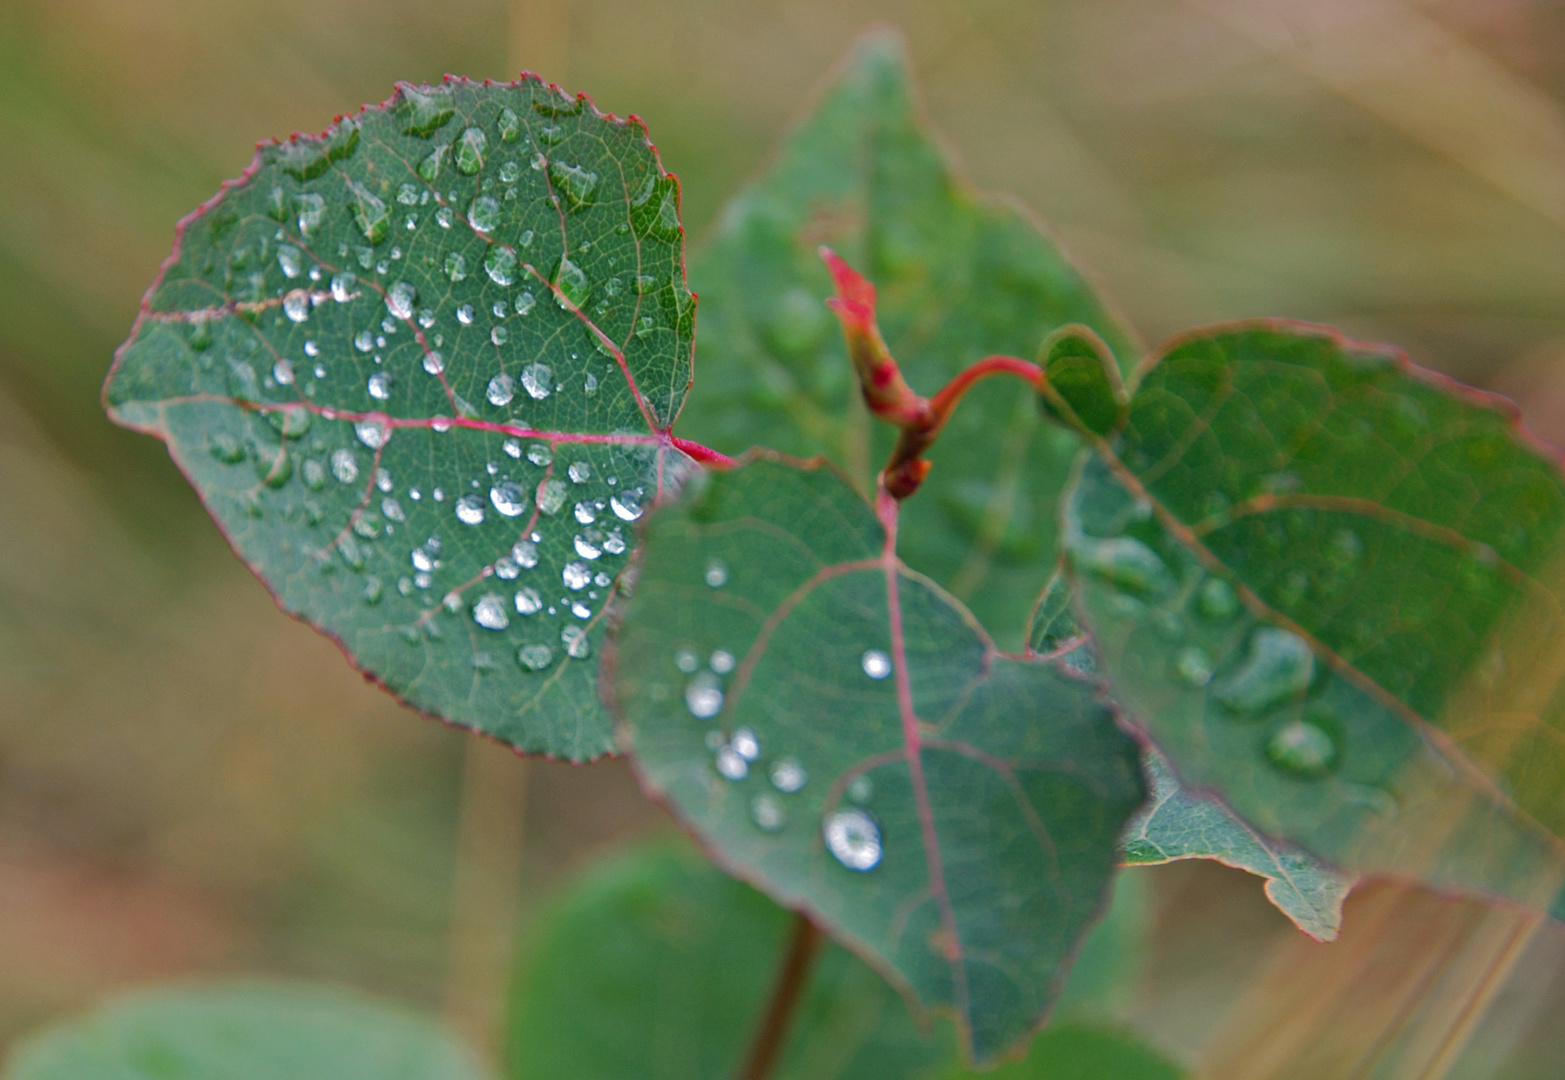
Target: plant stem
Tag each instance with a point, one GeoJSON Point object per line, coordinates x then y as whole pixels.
{"type": "Point", "coordinates": [803, 945]}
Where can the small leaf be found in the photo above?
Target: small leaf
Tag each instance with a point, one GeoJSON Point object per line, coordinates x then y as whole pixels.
{"type": "Point", "coordinates": [1330, 586]}
{"type": "Point", "coordinates": [1082, 386]}
{"type": "Point", "coordinates": [960, 277]}
{"type": "Point", "coordinates": [244, 1031]}
{"type": "Point", "coordinates": [843, 735]}
{"type": "Point", "coordinates": [1178, 824]}
{"type": "Point", "coordinates": [424, 403]}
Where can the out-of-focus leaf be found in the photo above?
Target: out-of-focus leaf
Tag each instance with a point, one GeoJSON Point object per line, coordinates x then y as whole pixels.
{"type": "Point", "coordinates": [1082, 384]}
{"type": "Point", "coordinates": [421, 369]}
{"type": "Point", "coordinates": [1078, 1051]}
{"type": "Point", "coordinates": [1329, 585]}
{"type": "Point", "coordinates": [959, 277]}
{"type": "Point", "coordinates": [257, 1031]}
{"type": "Point", "coordinates": [1178, 824]}
{"type": "Point", "coordinates": [843, 735]}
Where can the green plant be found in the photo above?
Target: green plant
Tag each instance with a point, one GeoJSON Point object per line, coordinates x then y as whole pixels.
{"type": "Point", "coordinates": [425, 371]}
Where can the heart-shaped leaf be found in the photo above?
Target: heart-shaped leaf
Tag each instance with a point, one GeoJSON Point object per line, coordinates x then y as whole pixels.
{"type": "Point", "coordinates": [422, 370]}
{"type": "Point", "coordinates": [844, 735]}
{"type": "Point", "coordinates": [257, 1031]}
{"type": "Point", "coordinates": [1329, 585]}
{"type": "Point", "coordinates": [960, 276]}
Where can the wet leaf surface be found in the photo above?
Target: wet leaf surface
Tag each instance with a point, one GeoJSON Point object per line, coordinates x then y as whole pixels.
{"type": "Point", "coordinates": [960, 277]}
{"type": "Point", "coordinates": [1329, 586]}
{"type": "Point", "coordinates": [256, 1031]}
{"type": "Point", "coordinates": [421, 370]}
{"type": "Point", "coordinates": [842, 734]}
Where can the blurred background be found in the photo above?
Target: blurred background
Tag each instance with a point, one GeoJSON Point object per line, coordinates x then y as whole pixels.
{"type": "Point", "coordinates": [191, 783]}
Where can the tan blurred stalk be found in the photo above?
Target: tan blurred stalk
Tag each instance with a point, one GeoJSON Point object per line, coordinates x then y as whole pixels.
{"type": "Point", "coordinates": [1397, 997]}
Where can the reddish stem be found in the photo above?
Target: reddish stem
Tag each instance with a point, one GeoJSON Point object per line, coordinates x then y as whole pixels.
{"type": "Point", "coordinates": [944, 403]}
{"type": "Point", "coordinates": [802, 947]}
{"type": "Point", "coordinates": [704, 454]}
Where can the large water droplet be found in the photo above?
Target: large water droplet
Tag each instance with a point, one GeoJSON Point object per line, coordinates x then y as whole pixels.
{"type": "Point", "coordinates": [470, 146]}
{"type": "Point", "coordinates": [589, 545]}
{"type": "Point", "coordinates": [526, 554]}
{"type": "Point", "coordinates": [577, 645]}
{"type": "Point", "coordinates": [502, 388]}
{"type": "Point", "coordinates": [380, 385]}
{"type": "Point", "coordinates": [484, 213]}
{"type": "Point", "coordinates": [586, 513]}
{"type": "Point", "coordinates": [539, 453]}
{"type": "Point", "coordinates": [296, 305]}
{"type": "Point", "coordinates": [788, 775]}
{"type": "Point", "coordinates": [429, 167]}
{"type": "Point", "coordinates": [538, 380]}
{"type": "Point", "coordinates": [509, 498]}
{"type": "Point", "coordinates": [290, 259]}
{"type": "Point", "coordinates": [1278, 666]}
{"type": "Point", "coordinates": [1192, 666]}
{"type": "Point", "coordinates": [579, 472]}
{"type": "Point", "coordinates": [1216, 600]}
{"type": "Point", "coordinates": [470, 509]}
{"type": "Point", "coordinates": [1126, 562]}
{"type": "Point", "coordinates": [551, 496]}
{"type": "Point", "coordinates": [342, 286]}
{"type": "Point", "coordinates": [877, 665]}
{"type": "Point", "coordinates": [745, 744]}
{"type": "Point", "coordinates": [373, 431]}
{"type": "Point", "coordinates": [703, 697]}
{"type": "Point", "coordinates": [571, 280]}
{"type": "Point", "coordinates": [853, 838]}
{"type": "Point", "coordinates": [344, 466]}
{"type": "Point", "coordinates": [528, 602]}
{"type": "Point", "coordinates": [489, 612]}
{"type": "Point", "coordinates": [508, 125]}
{"type": "Point", "coordinates": [1304, 748]}
{"type": "Point", "coordinates": [400, 299]}
{"type": "Point", "coordinates": [767, 812]}
{"type": "Point", "coordinates": [627, 504]}
{"type": "Point", "coordinates": [575, 183]}
{"type": "Point", "coordinates": [576, 575]}
{"type": "Point", "coordinates": [370, 214]}
{"type": "Point", "coordinates": [500, 265]}
{"type": "Point", "coordinates": [422, 109]}
{"type": "Point", "coordinates": [534, 657]}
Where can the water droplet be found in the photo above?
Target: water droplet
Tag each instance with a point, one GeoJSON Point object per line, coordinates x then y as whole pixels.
{"type": "Point", "coordinates": [470, 147]}
{"type": "Point", "coordinates": [730, 764]}
{"type": "Point", "coordinates": [310, 208]}
{"type": "Point", "coordinates": [534, 657]}
{"type": "Point", "coordinates": [1278, 666]}
{"type": "Point", "coordinates": [372, 591]}
{"type": "Point", "coordinates": [226, 448]}
{"type": "Point", "coordinates": [614, 543]}
{"type": "Point", "coordinates": [290, 259]}
{"type": "Point", "coordinates": [470, 509]}
{"type": "Point", "coordinates": [523, 303]}
{"type": "Point", "coordinates": [577, 646]}
{"type": "Point", "coordinates": [508, 125]}
{"type": "Point", "coordinates": [539, 454]}
{"type": "Point", "coordinates": [551, 496]}
{"type": "Point", "coordinates": [853, 838]}
{"type": "Point", "coordinates": [1216, 600]}
{"type": "Point", "coordinates": [722, 662]}
{"type": "Point", "coordinates": [423, 109]}
{"type": "Point", "coordinates": [373, 431]}
{"type": "Point", "coordinates": [364, 341]}
{"type": "Point", "coordinates": [703, 697]}
{"type": "Point", "coordinates": [313, 473]}
{"type": "Point", "coordinates": [745, 744]}
{"type": "Point", "coordinates": [767, 812]}
{"type": "Point", "coordinates": [686, 661]}
{"type": "Point", "coordinates": [1193, 666]}
{"type": "Point", "coordinates": [512, 448]}
{"type": "Point", "coordinates": [586, 513]}
{"type": "Point", "coordinates": [1304, 748]}
{"type": "Point", "coordinates": [1126, 562]}
{"type": "Point", "coordinates": [502, 388]}
{"type": "Point", "coordinates": [590, 383]}
{"type": "Point", "coordinates": [392, 509]}
{"type": "Point", "coordinates": [576, 575]}
{"type": "Point", "coordinates": [589, 544]}
{"type": "Point", "coordinates": [344, 466]}
{"type": "Point", "coordinates": [400, 298]}
{"type": "Point", "coordinates": [296, 305]}
{"type": "Point", "coordinates": [434, 363]}
{"type": "Point", "coordinates": [499, 335]}
{"type": "Point", "coordinates": [372, 216]}
{"type": "Point", "coordinates": [509, 498]}
{"type": "Point", "coordinates": [380, 385]}
{"type": "Point", "coordinates": [627, 504]}
{"type": "Point", "coordinates": [282, 371]}
{"type": "Point", "coordinates": [537, 379]}
{"type": "Point", "coordinates": [877, 665]}
{"type": "Point", "coordinates": [489, 612]}
{"type": "Point", "coordinates": [500, 265]}
{"type": "Point", "coordinates": [716, 574]}
{"type": "Point", "coordinates": [574, 287]}
{"type": "Point", "coordinates": [788, 775]}
{"type": "Point", "coordinates": [861, 789]}
{"type": "Point", "coordinates": [526, 554]}
{"type": "Point", "coordinates": [484, 213]}
{"type": "Point", "coordinates": [528, 602]}
{"type": "Point", "coordinates": [575, 183]}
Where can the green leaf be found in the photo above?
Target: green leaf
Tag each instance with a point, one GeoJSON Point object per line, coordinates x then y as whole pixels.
{"type": "Point", "coordinates": [244, 1031]}
{"type": "Point", "coordinates": [1180, 824]}
{"type": "Point", "coordinates": [842, 733]}
{"type": "Point", "coordinates": [960, 277]}
{"type": "Point", "coordinates": [1077, 1051]}
{"type": "Point", "coordinates": [1329, 585]}
{"type": "Point", "coordinates": [683, 958]}
{"type": "Point", "coordinates": [1082, 384]}
{"type": "Point", "coordinates": [421, 370]}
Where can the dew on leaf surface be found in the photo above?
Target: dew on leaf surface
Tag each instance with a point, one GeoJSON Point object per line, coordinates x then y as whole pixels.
{"type": "Point", "coordinates": [489, 612]}
{"type": "Point", "coordinates": [589, 544]}
{"type": "Point", "coordinates": [470, 510]}
{"type": "Point", "coordinates": [745, 744]}
{"type": "Point", "coordinates": [373, 431]}
{"type": "Point", "coordinates": [1125, 562]}
{"type": "Point", "coordinates": [483, 214]}
{"type": "Point", "coordinates": [344, 466]}
{"type": "Point", "coordinates": [534, 657]}
{"type": "Point", "coordinates": [296, 305]}
{"type": "Point", "coordinates": [540, 454]}
{"type": "Point", "coordinates": [577, 645]}
{"type": "Point", "coordinates": [470, 147]}
{"type": "Point", "coordinates": [1193, 666]}
{"type": "Point", "coordinates": [434, 363]}
{"type": "Point", "coordinates": [788, 775]}
{"type": "Point", "coordinates": [579, 472]}
{"type": "Point", "coordinates": [1278, 666]}
{"type": "Point", "coordinates": [499, 335]}
{"type": "Point", "coordinates": [509, 498]}
{"type": "Point", "coordinates": [501, 389]}
{"type": "Point", "coordinates": [586, 513]}
{"type": "Point", "coordinates": [526, 554]}
{"type": "Point", "coordinates": [1303, 748]}
{"type": "Point", "coordinates": [877, 665]}
{"type": "Point", "coordinates": [528, 602]}
{"type": "Point", "coordinates": [379, 385]}
{"type": "Point", "coordinates": [703, 697]}
{"type": "Point", "coordinates": [722, 661]}
{"type": "Point", "coordinates": [342, 286]}
{"type": "Point", "coordinates": [576, 575]}
{"type": "Point", "coordinates": [716, 573]}
{"type": "Point", "coordinates": [282, 371]}
{"type": "Point", "coordinates": [1216, 600]}
{"type": "Point", "coordinates": [500, 265]}
{"type": "Point", "coordinates": [400, 299]}
{"type": "Point", "coordinates": [861, 789]}
{"type": "Point", "coordinates": [853, 838]}
{"type": "Point", "coordinates": [767, 812]}
{"type": "Point", "coordinates": [537, 380]}
{"type": "Point", "coordinates": [730, 764]}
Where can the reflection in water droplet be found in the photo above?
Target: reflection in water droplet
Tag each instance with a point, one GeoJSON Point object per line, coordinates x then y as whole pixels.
{"type": "Point", "coordinates": [540, 454]}
{"type": "Point", "coordinates": [502, 388]}
{"type": "Point", "coordinates": [296, 305]}
{"type": "Point", "coordinates": [526, 554]}
{"type": "Point", "coordinates": [470, 510]}
{"type": "Point", "coordinates": [745, 744]}
{"type": "Point", "coordinates": [686, 661]}
{"type": "Point", "coordinates": [589, 544]}
{"type": "Point", "coordinates": [1303, 748]}
{"type": "Point", "coordinates": [586, 513]}
{"type": "Point", "coordinates": [767, 812]}
{"type": "Point", "coordinates": [788, 775]}
{"type": "Point", "coordinates": [1126, 562]}
{"type": "Point", "coordinates": [528, 602]}
{"type": "Point", "coordinates": [722, 661]}
{"type": "Point", "coordinates": [1278, 666]}
{"type": "Point", "coordinates": [509, 498]}
{"type": "Point", "coordinates": [1193, 666]}
{"type": "Point", "coordinates": [373, 431]}
{"type": "Point", "coordinates": [854, 838]}
{"type": "Point", "coordinates": [877, 665]}
{"type": "Point", "coordinates": [489, 612]}
{"type": "Point", "coordinates": [537, 380]}
{"type": "Point", "coordinates": [627, 504]}
{"type": "Point", "coordinates": [577, 646]}
{"type": "Point", "coordinates": [400, 298]}
{"type": "Point", "coordinates": [579, 472]}
{"type": "Point", "coordinates": [344, 466]}
{"type": "Point", "coordinates": [703, 697]}
{"type": "Point", "coordinates": [551, 496]}
{"type": "Point", "coordinates": [534, 657]}
{"type": "Point", "coordinates": [716, 574]}
{"type": "Point", "coordinates": [500, 265]}
{"type": "Point", "coordinates": [470, 147]}
{"type": "Point", "coordinates": [730, 764]}
{"type": "Point", "coordinates": [484, 213]}
{"type": "Point", "coordinates": [1216, 600]}
{"type": "Point", "coordinates": [380, 385]}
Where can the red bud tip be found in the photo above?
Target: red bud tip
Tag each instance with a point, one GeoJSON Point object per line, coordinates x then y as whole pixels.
{"type": "Point", "coordinates": [852, 287]}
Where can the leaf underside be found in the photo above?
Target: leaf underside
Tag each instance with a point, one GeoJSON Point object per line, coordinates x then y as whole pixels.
{"type": "Point", "coordinates": [244, 1031]}
{"type": "Point", "coordinates": [959, 277]}
{"type": "Point", "coordinates": [843, 735]}
{"type": "Point", "coordinates": [421, 370]}
{"type": "Point", "coordinates": [1329, 585]}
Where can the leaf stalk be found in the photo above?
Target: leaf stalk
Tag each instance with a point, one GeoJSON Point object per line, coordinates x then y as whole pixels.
{"type": "Point", "coordinates": [803, 945]}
